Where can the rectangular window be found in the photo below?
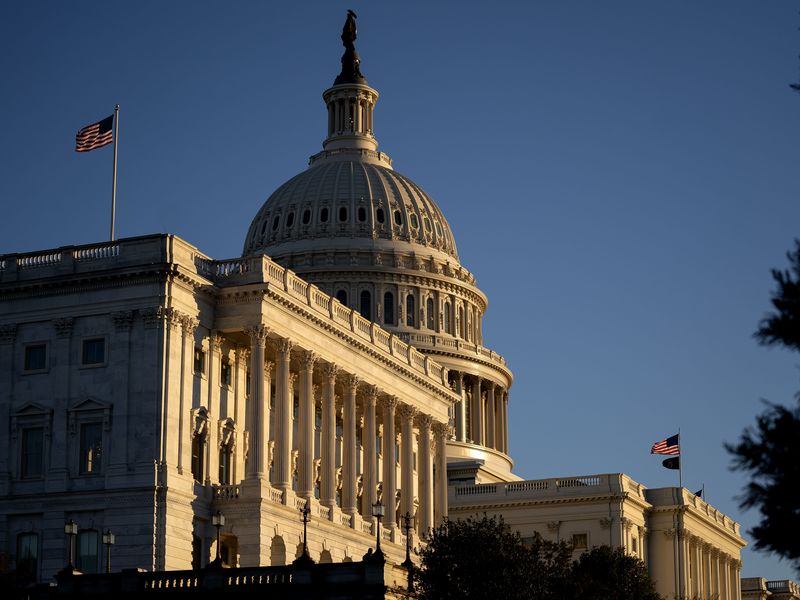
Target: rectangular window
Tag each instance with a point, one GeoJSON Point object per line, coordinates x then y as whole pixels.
{"type": "Point", "coordinates": [87, 551]}
{"type": "Point", "coordinates": [225, 373]}
{"type": "Point", "coordinates": [198, 452]}
{"type": "Point", "coordinates": [247, 382]}
{"type": "Point", "coordinates": [36, 357]}
{"type": "Point", "coordinates": [580, 541]}
{"type": "Point", "coordinates": [94, 351]}
{"type": "Point", "coordinates": [199, 361]}
{"type": "Point", "coordinates": [27, 555]}
{"type": "Point", "coordinates": [32, 463]}
{"type": "Point", "coordinates": [225, 464]}
{"type": "Point", "coordinates": [91, 447]}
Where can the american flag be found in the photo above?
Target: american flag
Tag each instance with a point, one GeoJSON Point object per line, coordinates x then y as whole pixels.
{"type": "Point", "coordinates": [95, 135]}
{"type": "Point", "coordinates": [671, 445]}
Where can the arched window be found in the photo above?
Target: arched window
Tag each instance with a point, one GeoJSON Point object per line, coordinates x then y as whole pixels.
{"type": "Point", "coordinates": [226, 464]}
{"type": "Point", "coordinates": [447, 325]}
{"type": "Point", "coordinates": [366, 305]}
{"type": "Point", "coordinates": [462, 326]}
{"type": "Point", "coordinates": [198, 456]}
{"type": "Point", "coordinates": [306, 216]}
{"type": "Point", "coordinates": [341, 296]}
{"type": "Point", "coordinates": [362, 214]}
{"type": "Point", "coordinates": [323, 215]}
{"type": "Point", "coordinates": [289, 220]}
{"type": "Point", "coordinates": [398, 217]}
{"type": "Point", "coordinates": [275, 222]}
{"type": "Point", "coordinates": [379, 216]}
{"type": "Point", "coordinates": [342, 214]}
{"type": "Point", "coordinates": [27, 555]}
{"type": "Point", "coordinates": [410, 310]}
{"type": "Point", "coordinates": [388, 308]}
{"type": "Point", "coordinates": [430, 315]}
{"type": "Point", "coordinates": [87, 551]}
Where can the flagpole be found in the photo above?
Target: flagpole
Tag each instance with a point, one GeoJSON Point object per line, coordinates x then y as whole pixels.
{"type": "Point", "coordinates": [680, 458]}
{"type": "Point", "coordinates": [114, 172]}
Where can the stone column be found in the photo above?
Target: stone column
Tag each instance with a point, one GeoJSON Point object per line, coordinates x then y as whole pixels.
{"type": "Point", "coordinates": [257, 421]}
{"type": "Point", "coordinates": [282, 461]}
{"type": "Point", "coordinates": [425, 473]}
{"type": "Point", "coordinates": [212, 447]}
{"type": "Point", "coordinates": [461, 410]}
{"type": "Point", "coordinates": [389, 466]}
{"type": "Point", "coordinates": [477, 412]}
{"type": "Point", "coordinates": [305, 426]}
{"type": "Point", "coordinates": [328, 446]}
{"type": "Point", "coordinates": [407, 414]}
{"type": "Point", "coordinates": [491, 408]}
{"type": "Point", "coordinates": [349, 484]}
{"type": "Point", "coordinates": [370, 494]}
{"type": "Point", "coordinates": [505, 421]}
{"type": "Point", "coordinates": [440, 486]}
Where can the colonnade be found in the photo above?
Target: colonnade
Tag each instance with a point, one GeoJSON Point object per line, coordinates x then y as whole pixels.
{"type": "Point", "coordinates": [711, 572]}
{"type": "Point", "coordinates": [362, 406]}
{"type": "Point", "coordinates": [350, 112]}
{"type": "Point", "coordinates": [482, 415]}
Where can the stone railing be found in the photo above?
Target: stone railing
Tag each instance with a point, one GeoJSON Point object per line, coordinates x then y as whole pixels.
{"type": "Point", "coordinates": [784, 586]}
{"type": "Point", "coordinates": [226, 492]}
{"type": "Point", "coordinates": [712, 513]}
{"type": "Point", "coordinates": [528, 489]}
{"type": "Point", "coordinates": [428, 340]}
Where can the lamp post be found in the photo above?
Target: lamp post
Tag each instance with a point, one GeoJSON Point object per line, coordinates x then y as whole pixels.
{"type": "Point", "coordinates": [305, 557]}
{"type": "Point", "coordinates": [218, 521]}
{"type": "Point", "coordinates": [378, 510]}
{"type": "Point", "coordinates": [108, 541]}
{"type": "Point", "coordinates": [408, 525]}
{"type": "Point", "coordinates": [71, 530]}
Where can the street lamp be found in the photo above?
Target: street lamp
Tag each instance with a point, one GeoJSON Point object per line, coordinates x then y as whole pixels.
{"type": "Point", "coordinates": [71, 529]}
{"type": "Point", "coordinates": [305, 557]}
{"type": "Point", "coordinates": [408, 525]}
{"type": "Point", "coordinates": [218, 521]}
{"type": "Point", "coordinates": [378, 510]}
{"type": "Point", "coordinates": [108, 541]}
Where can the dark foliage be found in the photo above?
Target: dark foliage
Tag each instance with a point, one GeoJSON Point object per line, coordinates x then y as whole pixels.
{"type": "Point", "coordinates": [771, 454]}
{"type": "Point", "coordinates": [482, 558]}
{"type": "Point", "coordinates": [606, 574]}
{"type": "Point", "coordinates": [771, 451]}
{"type": "Point", "coordinates": [783, 326]}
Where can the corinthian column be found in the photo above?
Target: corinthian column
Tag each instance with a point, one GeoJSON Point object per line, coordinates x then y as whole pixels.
{"type": "Point", "coordinates": [257, 420]}
{"type": "Point", "coordinates": [461, 410]}
{"type": "Point", "coordinates": [305, 426]}
{"type": "Point", "coordinates": [328, 450]}
{"type": "Point", "coordinates": [491, 407]}
{"type": "Point", "coordinates": [440, 437]}
{"type": "Point", "coordinates": [389, 466]}
{"type": "Point", "coordinates": [282, 461]}
{"type": "Point", "coordinates": [370, 494]}
{"type": "Point", "coordinates": [407, 414]}
{"type": "Point", "coordinates": [477, 412]}
{"type": "Point", "coordinates": [349, 486]}
{"type": "Point", "coordinates": [425, 473]}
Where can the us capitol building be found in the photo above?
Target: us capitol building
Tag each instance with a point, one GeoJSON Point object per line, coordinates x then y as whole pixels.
{"type": "Point", "coordinates": [146, 387]}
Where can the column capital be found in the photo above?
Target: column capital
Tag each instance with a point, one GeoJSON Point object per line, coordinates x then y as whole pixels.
{"type": "Point", "coordinates": [406, 411]}
{"type": "Point", "coordinates": [63, 326]}
{"type": "Point", "coordinates": [307, 359]}
{"type": "Point", "coordinates": [269, 366]}
{"type": "Point", "coordinates": [215, 342]}
{"type": "Point", "coordinates": [490, 385]}
{"type": "Point", "coordinates": [329, 370]}
{"type": "Point", "coordinates": [424, 421]}
{"type": "Point", "coordinates": [390, 402]}
{"type": "Point", "coordinates": [123, 319]}
{"type": "Point", "coordinates": [8, 332]}
{"type": "Point", "coordinates": [258, 333]}
{"type": "Point", "coordinates": [371, 396]}
{"type": "Point", "coordinates": [242, 353]}
{"type": "Point", "coordinates": [351, 381]}
{"type": "Point", "coordinates": [284, 346]}
{"type": "Point", "coordinates": [440, 430]}
{"type": "Point", "coordinates": [292, 379]}
{"type": "Point", "coordinates": [190, 325]}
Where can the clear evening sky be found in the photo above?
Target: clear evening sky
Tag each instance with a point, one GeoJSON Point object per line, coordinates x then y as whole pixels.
{"type": "Point", "coordinates": [620, 177]}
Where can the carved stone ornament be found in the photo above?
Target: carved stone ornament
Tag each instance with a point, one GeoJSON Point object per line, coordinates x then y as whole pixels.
{"type": "Point", "coordinates": [440, 430]}
{"type": "Point", "coordinates": [8, 332]}
{"type": "Point", "coordinates": [258, 333]}
{"type": "Point", "coordinates": [150, 317]}
{"type": "Point", "coordinates": [242, 354]}
{"type": "Point", "coordinates": [424, 422]}
{"type": "Point", "coordinates": [63, 326]}
{"type": "Point", "coordinates": [123, 319]}
{"type": "Point", "coordinates": [269, 368]}
{"type": "Point", "coordinates": [406, 412]}
{"type": "Point", "coordinates": [307, 359]}
{"type": "Point", "coordinates": [553, 526]}
{"type": "Point", "coordinates": [215, 342]}
{"type": "Point", "coordinates": [605, 522]}
{"type": "Point", "coordinates": [351, 381]}
{"type": "Point", "coordinates": [329, 370]}
{"type": "Point", "coordinates": [389, 402]}
{"type": "Point", "coordinates": [284, 347]}
{"type": "Point", "coordinates": [190, 325]}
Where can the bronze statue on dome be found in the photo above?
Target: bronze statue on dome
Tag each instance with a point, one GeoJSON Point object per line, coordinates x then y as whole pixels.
{"type": "Point", "coordinates": [351, 62]}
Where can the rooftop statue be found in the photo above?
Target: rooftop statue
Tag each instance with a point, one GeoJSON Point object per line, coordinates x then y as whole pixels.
{"type": "Point", "coordinates": [351, 63]}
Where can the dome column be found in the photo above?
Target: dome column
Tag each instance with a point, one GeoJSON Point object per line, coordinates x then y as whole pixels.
{"type": "Point", "coordinates": [491, 407]}
{"type": "Point", "coordinates": [461, 409]}
{"type": "Point", "coordinates": [477, 412]}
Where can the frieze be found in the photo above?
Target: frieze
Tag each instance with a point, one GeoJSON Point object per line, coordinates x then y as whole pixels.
{"type": "Point", "coordinates": [63, 327]}
{"type": "Point", "coordinates": [122, 319]}
{"type": "Point", "coordinates": [8, 332]}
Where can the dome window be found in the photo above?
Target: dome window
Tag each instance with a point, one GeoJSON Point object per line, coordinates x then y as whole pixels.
{"type": "Point", "coordinates": [362, 214]}
{"type": "Point", "coordinates": [323, 215]}
{"type": "Point", "coordinates": [342, 214]}
{"type": "Point", "coordinates": [275, 222]}
{"type": "Point", "coordinates": [447, 316]}
{"type": "Point", "coordinates": [306, 216]}
{"type": "Point", "coordinates": [410, 310]}
{"type": "Point", "coordinates": [427, 225]}
{"type": "Point", "coordinates": [379, 216]}
{"type": "Point", "coordinates": [264, 227]}
{"type": "Point", "coordinates": [289, 220]}
{"type": "Point", "coordinates": [414, 221]}
{"type": "Point", "coordinates": [438, 229]}
{"type": "Point", "coordinates": [341, 296]}
{"type": "Point", "coordinates": [398, 218]}
{"type": "Point", "coordinates": [366, 305]}
{"type": "Point", "coordinates": [429, 314]}
{"type": "Point", "coordinates": [388, 308]}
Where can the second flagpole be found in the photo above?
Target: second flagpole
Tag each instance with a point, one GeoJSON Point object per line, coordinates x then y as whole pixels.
{"type": "Point", "coordinates": [114, 172]}
{"type": "Point", "coordinates": [680, 460]}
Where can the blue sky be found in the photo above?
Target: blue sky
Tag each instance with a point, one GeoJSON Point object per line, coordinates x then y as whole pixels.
{"type": "Point", "coordinates": [620, 177]}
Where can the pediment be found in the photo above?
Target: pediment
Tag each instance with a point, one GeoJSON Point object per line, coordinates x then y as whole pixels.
{"type": "Point", "coordinates": [89, 404]}
{"type": "Point", "coordinates": [32, 409]}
